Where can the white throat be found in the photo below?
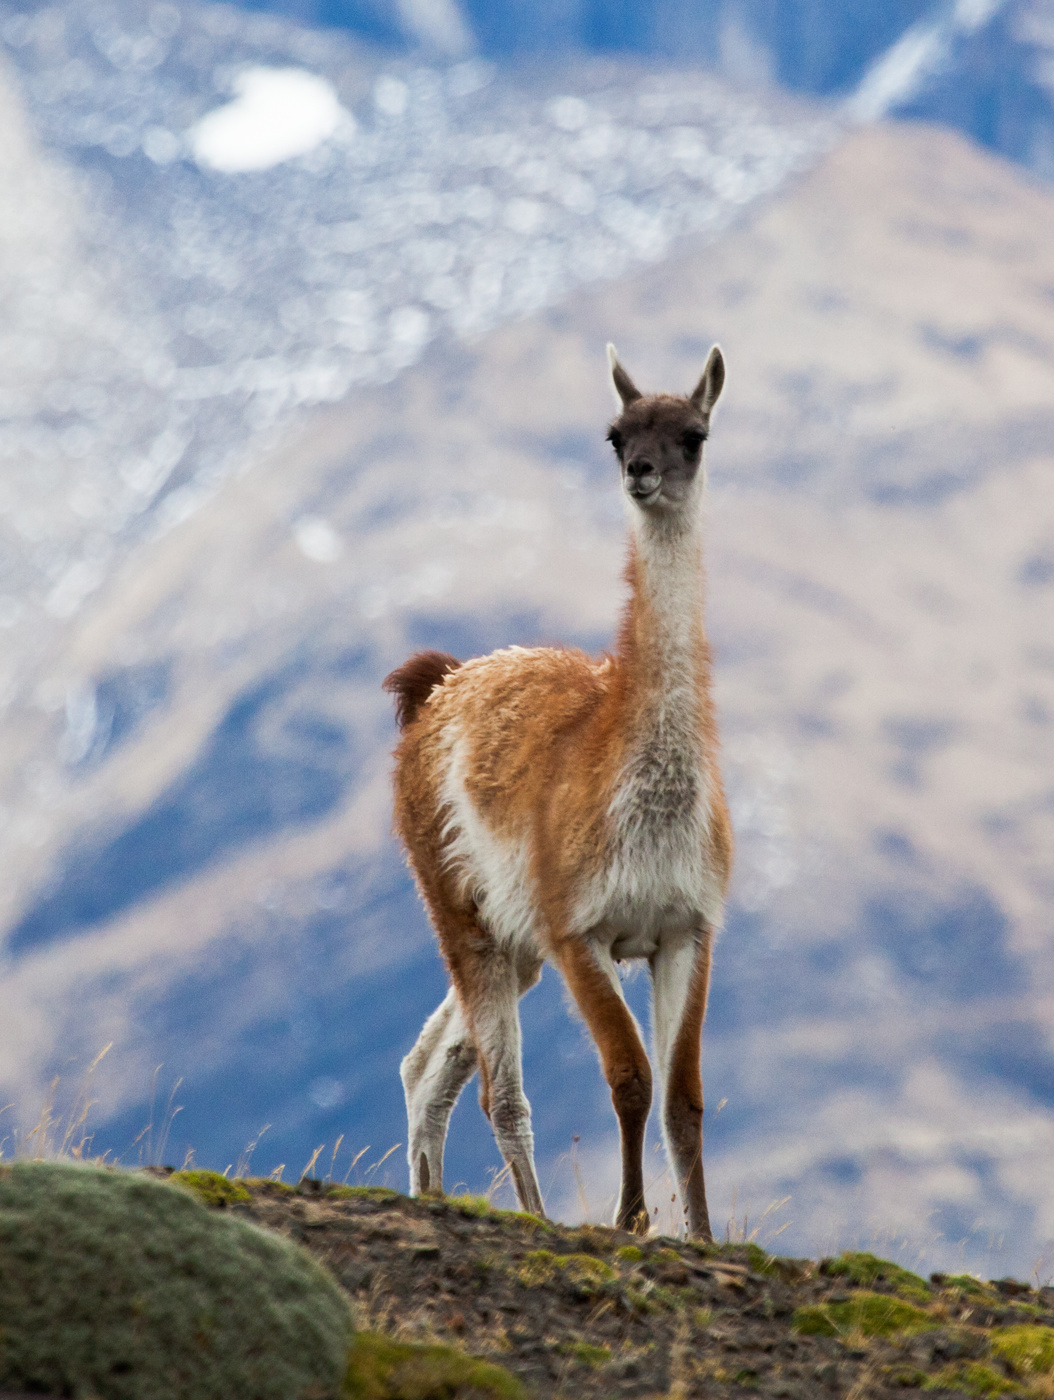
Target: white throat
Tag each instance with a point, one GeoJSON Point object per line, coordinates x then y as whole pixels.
{"type": "Point", "coordinates": [670, 562]}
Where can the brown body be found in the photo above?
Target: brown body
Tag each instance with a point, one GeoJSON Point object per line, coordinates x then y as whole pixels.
{"type": "Point", "coordinates": [558, 807]}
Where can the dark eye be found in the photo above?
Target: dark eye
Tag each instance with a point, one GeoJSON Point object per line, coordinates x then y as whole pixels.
{"type": "Point", "coordinates": [692, 441]}
{"type": "Point", "coordinates": [615, 438]}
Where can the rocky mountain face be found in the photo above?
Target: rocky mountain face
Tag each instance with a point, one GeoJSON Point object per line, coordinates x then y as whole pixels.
{"type": "Point", "coordinates": [267, 430]}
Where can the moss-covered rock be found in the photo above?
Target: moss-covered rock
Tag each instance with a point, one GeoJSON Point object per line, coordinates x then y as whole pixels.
{"type": "Point", "coordinates": [872, 1314]}
{"type": "Point", "coordinates": [629, 1254]}
{"type": "Point", "coordinates": [541, 1268]}
{"type": "Point", "coordinates": [381, 1369]}
{"type": "Point", "coordinates": [382, 1194]}
{"type": "Point", "coordinates": [970, 1377]}
{"type": "Point", "coordinates": [971, 1286]}
{"type": "Point", "coordinates": [867, 1270]}
{"type": "Point", "coordinates": [586, 1354]}
{"type": "Point", "coordinates": [214, 1190]}
{"type": "Point", "coordinates": [118, 1286]}
{"type": "Point", "coordinates": [476, 1207]}
{"type": "Point", "coordinates": [1028, 1349]}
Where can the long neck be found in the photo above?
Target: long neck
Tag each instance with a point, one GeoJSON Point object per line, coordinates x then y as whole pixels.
{"type": "Point", "coordinates": [662, 652]}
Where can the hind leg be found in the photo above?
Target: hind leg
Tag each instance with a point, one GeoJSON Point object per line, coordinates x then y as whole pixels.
{"type": "Point", "coordinates": [433, 1074]}
{"type": "Point", "coordinates": [491, 981]}
{"type": "Point", "coordinates": [494, 1012]}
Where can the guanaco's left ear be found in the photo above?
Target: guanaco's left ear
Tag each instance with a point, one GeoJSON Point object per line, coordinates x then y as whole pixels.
{"type": "Point", "coordinates": [707, 392]}
{"type": "Point", "coordinates": [624, 386]}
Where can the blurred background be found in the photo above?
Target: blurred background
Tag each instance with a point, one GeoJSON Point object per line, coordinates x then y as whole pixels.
{"type": "Point", "coordinates": [302, 321]}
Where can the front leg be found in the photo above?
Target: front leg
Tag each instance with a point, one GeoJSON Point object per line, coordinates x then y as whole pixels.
{"type": "Point", "coordinates": [594, 984]}
{"type": "Point", "coordinates": [680, 980]}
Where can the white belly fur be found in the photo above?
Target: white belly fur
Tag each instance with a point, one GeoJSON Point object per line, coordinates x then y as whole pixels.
{"type": "Point", "coordinates": [655, 883]}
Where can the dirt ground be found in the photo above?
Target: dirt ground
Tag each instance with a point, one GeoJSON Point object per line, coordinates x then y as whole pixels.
{"type": "Point", "coordinates": [594, 1312]}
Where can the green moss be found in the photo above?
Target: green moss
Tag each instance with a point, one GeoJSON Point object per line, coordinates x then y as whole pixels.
{"type": "Point", "coordinates": [873, 1314]}
{"type": "Point", "coordinates": [966, 1283]}
{"type": "Point", "coordinates": [541, 1267]}
{"type": "Point", "coordinates": [1028, 1349]}
{"type": "Point", "coordinates": [211, 1188]}
{"type": "Point", "coordinates": [474, 1206]}
{"type": "Point", "coordinates": [759, 1261]}
{"type": "Point", "coordinates": [629, 1254]}
{"type": "Point", "coordinates": [380, 1369]}
{"type": "Point", "coordinates": [640, 1300]}
{"type": "Point", "coordinates": [269, 1186]}
{"type": "Point", "coordinates": [650, 1298]}
{"type": "Point", "coordinates": [972, 1377]}
{"type": "Point", "coordinates": [361, 1193]}
{"type": "Point", "coordinates": [906, 1377]}
{"type": "Point", "coordinates": [667, 1298]}
{"type": "Point", "coordinates": [867, 1270]}
{"type": "Point", "coordinates": [590, 1239]}
{"type": "Point", "coordinates": [113, 1283]}
{"type": "Point", "coordinates": [524, 1217]}
{"type": "Point", "coordinates": [587, 1355]}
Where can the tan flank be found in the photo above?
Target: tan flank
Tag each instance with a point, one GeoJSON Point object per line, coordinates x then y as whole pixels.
{"type": "Point", "coordinates": [556, 806]}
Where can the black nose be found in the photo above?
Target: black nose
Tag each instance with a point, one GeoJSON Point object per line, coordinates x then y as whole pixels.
{"type": "Point", "coordinates": [642, 479]}
{"type": "Point", "coordinates": [638, 467]}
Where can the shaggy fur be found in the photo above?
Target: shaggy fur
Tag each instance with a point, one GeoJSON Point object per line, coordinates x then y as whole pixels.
{"type": "Point", "coordinates": [413, 682]}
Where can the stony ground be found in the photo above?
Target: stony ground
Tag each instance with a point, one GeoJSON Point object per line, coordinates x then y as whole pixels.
{"type": "Point", "coordinates": [593, 1312]}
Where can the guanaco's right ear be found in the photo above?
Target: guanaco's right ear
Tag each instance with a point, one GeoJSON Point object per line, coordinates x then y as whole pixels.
{"type": "Point", "coordinates": [625, 389]}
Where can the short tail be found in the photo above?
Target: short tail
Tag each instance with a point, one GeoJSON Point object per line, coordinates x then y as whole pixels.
{"type": "Point", "coordinates": [413, 682]}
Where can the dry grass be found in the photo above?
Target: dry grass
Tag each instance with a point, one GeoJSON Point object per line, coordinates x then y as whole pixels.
{"type": "Point", "coordinates": [59, 1134]}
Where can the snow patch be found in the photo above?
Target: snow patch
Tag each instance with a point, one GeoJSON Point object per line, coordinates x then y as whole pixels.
{"type": "Point", "coordinates": [278, 114]}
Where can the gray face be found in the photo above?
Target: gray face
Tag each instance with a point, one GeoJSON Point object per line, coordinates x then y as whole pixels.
{"type": "Point", "coordinates": [659, 444]}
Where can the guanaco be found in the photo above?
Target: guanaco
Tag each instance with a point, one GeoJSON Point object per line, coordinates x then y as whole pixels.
{"type": "Point", "coordinates": [556, 806]}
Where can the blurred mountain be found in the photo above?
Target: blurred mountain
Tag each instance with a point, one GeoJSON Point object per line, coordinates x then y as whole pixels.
{"type": "Point", "coordinates": [985, 67]}
{"type": "Point", "coordinates": [165, 319]}
{"type": "Point", "coordinates": [266, 430]}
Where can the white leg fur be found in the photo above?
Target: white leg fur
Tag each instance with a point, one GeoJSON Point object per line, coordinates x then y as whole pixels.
{"type": "Point", "coordinates": [433, 1074]}
{"type": "Point", "coordinates": [672, 968]}
{"type": "Point", "coordinates": [499, 1041]}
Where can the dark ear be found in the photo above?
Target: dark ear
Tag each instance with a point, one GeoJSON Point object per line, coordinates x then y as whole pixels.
{"type": "Point", "coordinates": [707, 392]}
{"type": "Point", "coordinates": [625, 388]}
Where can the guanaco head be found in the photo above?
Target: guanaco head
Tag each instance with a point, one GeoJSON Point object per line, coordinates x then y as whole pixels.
{"type": "Point", "coordinates": [659, 438]}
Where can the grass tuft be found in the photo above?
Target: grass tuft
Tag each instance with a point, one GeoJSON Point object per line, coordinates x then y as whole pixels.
{"type": "Point", "coordinates": [541, 1267]}
{"type": "Point", "coordinates": [971, 1377]}
{"type": "Point", "coordinates": [759, 1260]}
{"type": "Point", "coordinates": [586, 1354]}
{"type": "Point", "coordinates": [871, 1314]}
{"type": "Point", "coordinates": [359, 1193]}
{"type": "Point", "coordinates": [972, 1287]}
{"type": "Point", "coordinates": [867, 1269]}
{"type": "Point", "coordinates": [268, 1186]}
{"type": "Point", "coordinates": [1028, 1349]}
{"type": "Point", "coordinates": [629, 1254]}
{"type": "Point", "coordinates": [474, 1207]}
{"type": "Point", "coordinates": [382, 1369]}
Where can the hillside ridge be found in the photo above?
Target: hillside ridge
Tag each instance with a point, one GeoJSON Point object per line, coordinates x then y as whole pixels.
{"type": "Point", "coordinates": [599, 1313]}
